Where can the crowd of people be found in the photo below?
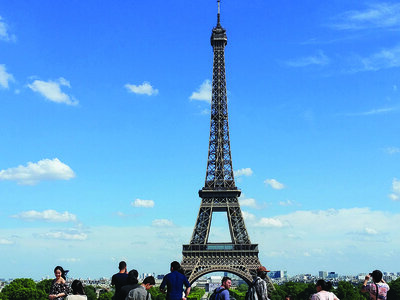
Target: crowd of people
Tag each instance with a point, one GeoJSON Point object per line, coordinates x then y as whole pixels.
{"type": "Point", "coordinates": [177, 287]}
{"type": "Point", "coordinates": [127, 287]}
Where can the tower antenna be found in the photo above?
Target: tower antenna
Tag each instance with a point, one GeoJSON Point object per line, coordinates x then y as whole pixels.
{"type": "Point", "coordinates": [219, 12]}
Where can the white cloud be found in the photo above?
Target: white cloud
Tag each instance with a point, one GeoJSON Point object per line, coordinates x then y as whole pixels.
{"type": "Point", "coordinates": [203, 93]}
{"type": "Point", "coordinates": [143, 89]}
{"type": "Point", "coordinates": [395, 196]}
{"type": "Point", "coordinates": [243, 172]}
{"type": "Point", "coordinates": [143, 203]}
{"type": "Point", "coordinates": [286, 203]}
{"type": "Point", "coordinates": [248, 216]}
{"type": "Point", "coordinates": [332, 238]}
{"type": "Point", "coordinates": [162, 223]}
{"type": "Point", "coordinates": [5, 77]}
{"type": "Point", "coordinates": [32, 173]}
{"type": "Point", "coordinates": [370, 231]}
{"type": "Point", "coordinates": [250, 202]}
{"type": "Point", "coordinates": [376, 16]}
{"type": "Point", "coordinates": [49, 215]}
{"type": "Point", "coordinates": [71, 260]}
{"type": "Point", "coordinates": [320, 59]}
{"type": "Point", "coordinates": [4, 34]}
{"type": "Point", "coordinates": [6, 242]}
{"type": "Point", "coordinates": [392, 150]}
{"type": "Point", "coordinates": [384, 59]}
{"type": "Point", "coordinates": [65, 235]}
{"type": "Point", "coordinates": [372, 112]}
{"type": "Point", "coordinates": [269, 222]}
{"type": "Point", "coordinates": [51, 90]}
{"type": "Point", "coordinates": [274, 184]}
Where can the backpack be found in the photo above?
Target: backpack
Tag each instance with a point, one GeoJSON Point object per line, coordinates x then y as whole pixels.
{"type": "Point", "coordinates": [215, 294]}
{"type": "Point", "coordinates": [251, 293]}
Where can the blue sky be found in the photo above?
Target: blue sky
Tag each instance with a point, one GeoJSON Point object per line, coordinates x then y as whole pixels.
{"type": "Point", "coordinates": [104, 110]}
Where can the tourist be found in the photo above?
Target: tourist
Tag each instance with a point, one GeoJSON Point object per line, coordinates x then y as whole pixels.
{"type": "Point", "coordinates": [174, 282]}
{"type": "Point", "coordinates": [378, 288]}
{"type": "Point", "coordinates": [261, 284]}
{"type": "Point", "coordinates": [223, 290]}
{"type": "Point", "coordinates": [131, 283]}
{"type": "Point", "coordinates": [78, 292]}
{"type": "Point", "coordinates": [118, 280]}
{"type": "Point", "coordinates": [142, 292]}
{"type": "Point", "coordinates": [59, 288]}
{"type": "Point", "coordinates": [323, 291]}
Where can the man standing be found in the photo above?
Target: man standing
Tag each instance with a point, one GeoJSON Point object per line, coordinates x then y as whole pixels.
{"type": "Point", "coordinates": [260, 283]}
{"type": "Point", "coordinates": [142, 291]}
{"type": "Point", "coordinates": [118, 280]}
{"type": "Point", "coordinates": [175, 282]}
{"type": "Point", "coordinates": [223, 291]}
{"type": "Point", "coordinates": [131, 283]}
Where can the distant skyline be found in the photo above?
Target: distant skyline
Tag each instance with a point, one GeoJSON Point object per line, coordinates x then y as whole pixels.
{"type": "Point", "coordinates": [105, 112]}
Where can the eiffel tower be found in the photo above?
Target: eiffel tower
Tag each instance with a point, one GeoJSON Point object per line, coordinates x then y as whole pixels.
{"type": "Point", "coordinates": [220, 193]}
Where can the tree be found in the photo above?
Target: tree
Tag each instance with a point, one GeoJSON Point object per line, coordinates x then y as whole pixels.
{"type": "Point", "coordinates": [22, 289]}
{"type": "Point", "coordinates": [394, 292]}
{"type": "Point", "coordinates": [106, 296]}
{"type": "Point", "coordinates": [44, 285]}
{"type": "Point", "coordinates": [90, 292]}
{"type": "Point", "coordinates": [243, 287]}
{"type": "Point", "coordinates": [156, 294]}
{"type": "Point", "coordinates": [297, 290]}
{"type": "Point", "coordinates": [347, 291]}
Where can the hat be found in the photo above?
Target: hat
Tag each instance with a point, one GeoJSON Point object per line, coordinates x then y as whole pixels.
{"type": "Point", "coordinates": [263, 269]}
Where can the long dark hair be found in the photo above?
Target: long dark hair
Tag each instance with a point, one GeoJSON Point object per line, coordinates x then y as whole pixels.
{"type": "Point", "coordinates": [77, 287]}
{"type": "Point", "coordinates": [325, 285]}
{"type": "Point", "coordinates": [63, 272]}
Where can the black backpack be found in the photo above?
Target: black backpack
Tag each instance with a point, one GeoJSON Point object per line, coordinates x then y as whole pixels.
{"type": "Point", "coordinates": [215, 294]}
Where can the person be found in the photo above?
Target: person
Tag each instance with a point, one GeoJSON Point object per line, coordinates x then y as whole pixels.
{"type": "Point", "coordinates": [223, 290]}
{"type": "Point", "coordinates": [261, 284]}
{"type": "Point", "coordinates": [119, 279]}
{"type": "Point", "coordinates": [378, 288]}
{"type": "Point", "coordinates": [323, 287]}
{"type": "Point", "coordinates": [78, 292]}
{"type": "Point", "coordinates": [288, 297]}
{"type": "Point", "coordinates": [175, 282]}
{"type": "Point", "coordinates": [142, 292]}
{"type": "Point", "coordinates": [131, 283]}
{"type": "Point", "coordinates": [59, 288]}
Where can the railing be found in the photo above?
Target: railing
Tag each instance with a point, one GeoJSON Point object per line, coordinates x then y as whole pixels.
{"type": "Point", "coordinates": [221, 247]}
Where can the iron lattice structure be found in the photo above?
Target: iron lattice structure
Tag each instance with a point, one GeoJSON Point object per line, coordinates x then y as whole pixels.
{"type": "Point", "coordinates": [220, 193]}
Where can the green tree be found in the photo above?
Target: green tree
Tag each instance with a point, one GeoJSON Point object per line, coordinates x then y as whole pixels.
{"type": "Point", "coordinates": [394, 292]}
{"type": "Point", "coordinates": [306, 291]}
{"type": "Point", "coordinates": [277, 294]}
{"type": "Point", "coordinates": [44, 285]}
{"type": "Point", "coordinates": [298, 290]}
{"type": "Point", "coordinates": [196, 293]}
{"type": "Point", "coordinates": [106, 296]}
{"type": "Point", "coordinates": [90, 292]}
{"type": "Point", "coordinates": [243, 287]}
{"type": "Point", "coordinates": [156, 294]}
{"type": "Point", "coordinates": [22, 289]}
{"type": "Point", "coordinates": [347, 291]}
{"type": "Point", "coordinates": [236, 294]}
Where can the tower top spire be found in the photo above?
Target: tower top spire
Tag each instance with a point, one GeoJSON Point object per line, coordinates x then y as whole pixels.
{"type": "Point", "coordinates": [218, 36]}
{"type": "Point", "coordinates": [219, 12]}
